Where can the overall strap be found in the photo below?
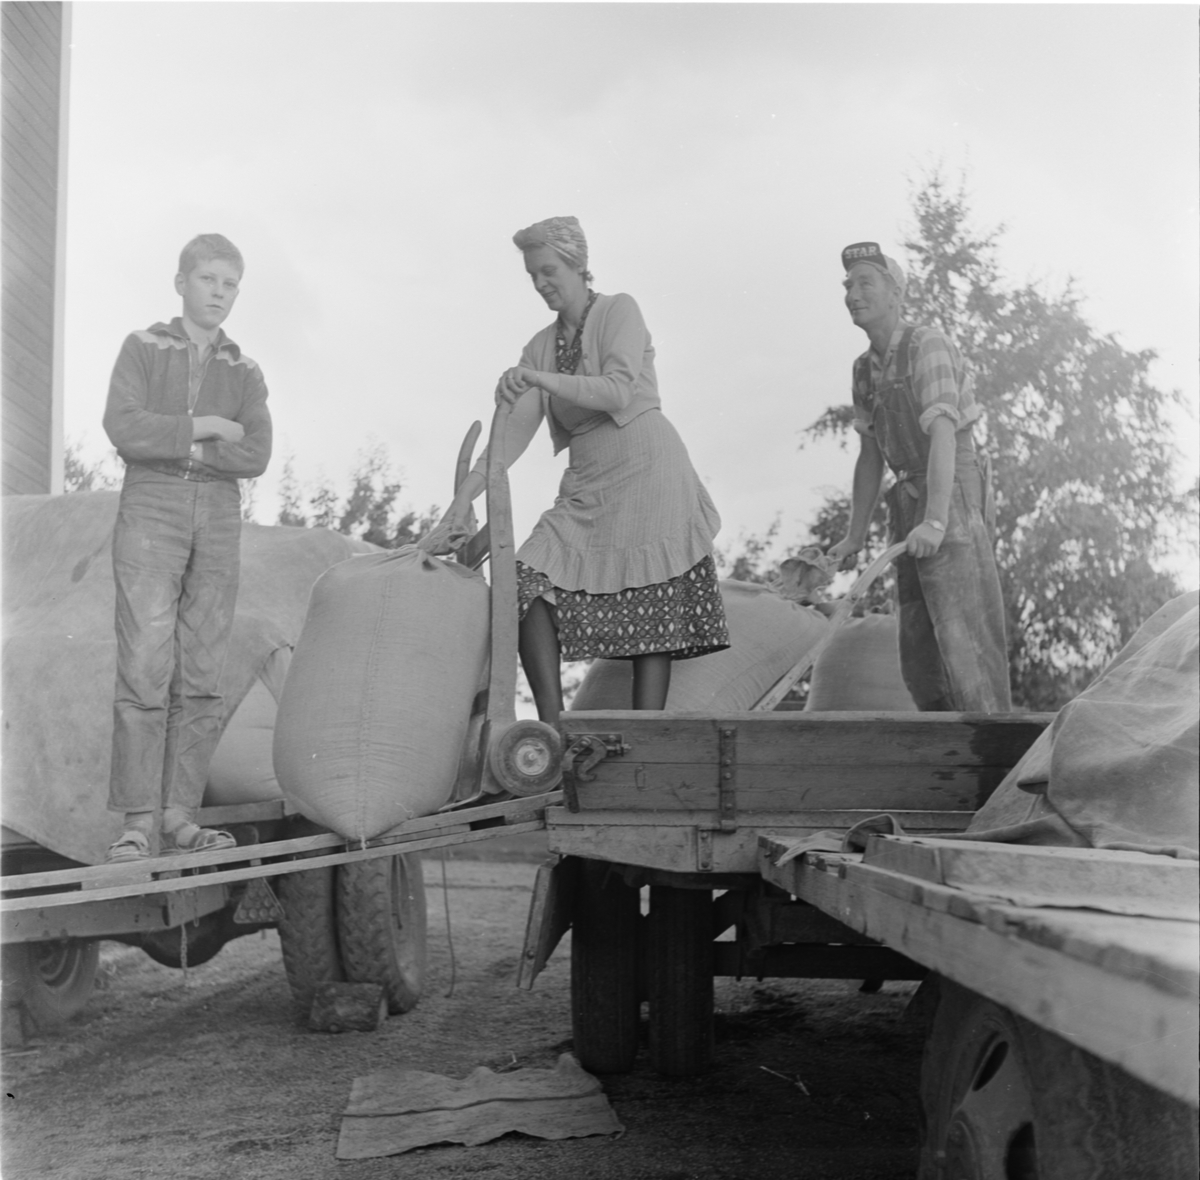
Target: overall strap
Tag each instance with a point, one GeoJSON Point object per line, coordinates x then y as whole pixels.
{"type": "Point", "coordinates": [904, 365]}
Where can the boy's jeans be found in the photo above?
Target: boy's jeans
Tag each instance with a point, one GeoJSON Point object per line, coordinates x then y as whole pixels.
{"type": "Point", "coordinates": [175, 564]}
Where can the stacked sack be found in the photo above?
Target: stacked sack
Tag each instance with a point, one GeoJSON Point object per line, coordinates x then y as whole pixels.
{"type": "Point", "coordinates": [377, 701]}
{"type": "Point", "coordinates": [860, 670]}
{"type": "Point", "coordinates": [767, 635]}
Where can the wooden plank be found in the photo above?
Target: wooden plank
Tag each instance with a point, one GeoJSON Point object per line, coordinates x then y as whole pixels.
{"type": "Point", "coordinates": [549, 916]}
{"type": "Point", "coordinates": [910, 821]}
{"type": "Point", "coordinates": [1064, 878]}
{"type": "Point", "coordinates": [768, 920]}
{"type": "Point", "coordinates": [34, 193]}
{"type": "Point", "coordinates": [126, 915]}
{"type": "Point", "coordinates": [138, 888]}
{"type": "Point", "coordinates": [658, 787]}
{"type": "Point", "coordinates": [829, 739]}
{"type": "Point", "coordinates": [1146, 1028]}
{"type": "Point", "coordinates": [670, 848]}
{"type": "Point", "coordinates": [521, 810]}
{"type": "Point", "coordinates": [814, 961]}
{"type": "Point", "coordinates": [34, 40]}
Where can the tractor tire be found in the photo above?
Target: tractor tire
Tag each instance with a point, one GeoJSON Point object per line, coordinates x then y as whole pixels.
{"type": "Point", "coordinates": [381, 926]}
{"type": "Point", "coordinates": [1003, 1099]}
{"type": "Point", "coordinates": [605, 999]}
{"type": "Point", "coordinates": [308, 934]}
{"type": "Point", "coordinates": [53, 981]}
{"type": "Point", "coordinates": [680, 973]}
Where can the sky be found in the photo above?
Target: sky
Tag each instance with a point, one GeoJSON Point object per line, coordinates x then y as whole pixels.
{"type": "Point", "coordinates": [372, 162]}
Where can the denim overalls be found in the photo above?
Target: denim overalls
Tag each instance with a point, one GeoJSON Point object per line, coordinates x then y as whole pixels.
{"type": "Point", "coordinates": [953, 652]}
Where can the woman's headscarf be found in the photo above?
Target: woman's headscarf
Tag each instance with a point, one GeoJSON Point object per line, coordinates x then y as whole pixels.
{"type": "Point", "coordinates": [561, 234]}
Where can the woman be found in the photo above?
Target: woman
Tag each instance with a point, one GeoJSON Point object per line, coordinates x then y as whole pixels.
{"type": "Point", "coordinates": [621, 566]}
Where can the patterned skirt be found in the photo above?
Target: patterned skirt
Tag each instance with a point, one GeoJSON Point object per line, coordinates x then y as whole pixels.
{"type": "Point", "coordinates": [683, 617]}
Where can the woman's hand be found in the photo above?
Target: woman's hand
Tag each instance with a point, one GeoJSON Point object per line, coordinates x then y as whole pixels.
{"type": "Point", "coordinates": [514, 382]}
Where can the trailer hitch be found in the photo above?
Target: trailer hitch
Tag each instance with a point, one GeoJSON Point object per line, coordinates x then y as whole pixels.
{"type": "Point", "coordinates": [582, 757]}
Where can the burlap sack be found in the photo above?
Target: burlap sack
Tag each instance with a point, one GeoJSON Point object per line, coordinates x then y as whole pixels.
{"type": "Point", "coordinates": [377, 701]}
{"type": "Point", "coordinates": [860, 670]}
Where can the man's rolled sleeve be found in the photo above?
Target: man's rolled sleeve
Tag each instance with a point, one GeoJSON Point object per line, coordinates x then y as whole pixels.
{"type": "Point", "coordinates": [935, 383]}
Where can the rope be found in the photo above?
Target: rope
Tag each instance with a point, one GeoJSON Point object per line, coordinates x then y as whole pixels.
{"type": "Point", "coordinates": [449, 932]}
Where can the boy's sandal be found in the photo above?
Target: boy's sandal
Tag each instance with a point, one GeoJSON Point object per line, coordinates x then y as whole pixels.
{"type": "Point", "coordinates": [193, 838]}
{"type": "Point", "coordinates": [133, 845]}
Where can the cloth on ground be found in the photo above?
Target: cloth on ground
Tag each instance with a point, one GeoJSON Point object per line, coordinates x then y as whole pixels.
{"type": "Point", "coordinates": [397, 1110]}
{"type": "Point", "coordinates": [1120, 766]}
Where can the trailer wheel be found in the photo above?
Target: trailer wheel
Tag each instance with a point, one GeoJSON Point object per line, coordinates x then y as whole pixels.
{"type": "Point", "coordinates": [1003, 1099]}
{"type": "Point", "coordinates": [381, 926]}
{"type": "Point", "coordinates": [54, 980]}
{"type": "Point", "coordinates": [526, 758]}
{"type": "Point", "coordinates": [308, 935]}
{"type": "Point", "coordinates": [605, 1004]}
{"type": "Point", "coordinates": [680, 967]}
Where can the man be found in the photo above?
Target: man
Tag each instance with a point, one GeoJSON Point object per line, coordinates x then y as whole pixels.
{"type": "Point", "coordinates": [914, 409]}
{"type": "Point", "coordinates": [187, 411]}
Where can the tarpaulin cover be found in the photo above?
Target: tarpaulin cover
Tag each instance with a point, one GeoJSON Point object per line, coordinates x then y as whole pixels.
{"type": "Point", "coordinates": [59, 662]}
{"type": "Point", "coordinates": [1120, 765]}
{"type": "Point", "coordinates": [767, 636]}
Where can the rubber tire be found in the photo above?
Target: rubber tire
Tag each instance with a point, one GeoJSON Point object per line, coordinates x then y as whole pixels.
{"type": "Point", "coordinates": [382, 926]}
{"type": "Point", "coordinates": [1090, 1120]}
{"type": "Point", "coordinates": [308, 934]}
{"type": "Point", "coordinates": [605, 1000]}
{"type": "Point", "coordinates": [54, 980]}
{"type": "Point", "coordinates": [680, 980]}
{"type": "Point", "coordinates": [512, 773]}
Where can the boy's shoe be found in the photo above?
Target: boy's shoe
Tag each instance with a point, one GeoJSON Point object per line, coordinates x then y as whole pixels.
{"type": "Point", "coordinates": [133, 845]}
{"type": "Point", "coordinates": [193, 838]}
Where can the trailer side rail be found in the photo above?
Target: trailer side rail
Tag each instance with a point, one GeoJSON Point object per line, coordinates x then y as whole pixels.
{"type": "Point", "coordinates": [24, 892]}
{"type": "Point", "coordinates": [1121, 986]}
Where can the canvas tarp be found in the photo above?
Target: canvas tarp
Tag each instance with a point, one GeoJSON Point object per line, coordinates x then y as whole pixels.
{"type": "Point", "coordinates": [402, 1109]}
{"type": "Point", "coordinates": [1119, 767]}
{"type": "Point", "coordinates": [59, 661]}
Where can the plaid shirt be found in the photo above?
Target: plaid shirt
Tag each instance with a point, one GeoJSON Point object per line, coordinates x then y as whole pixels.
{"type": "Point", "coordinates": [940, 381]}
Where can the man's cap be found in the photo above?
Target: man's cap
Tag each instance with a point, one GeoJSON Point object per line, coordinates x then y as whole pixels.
{"type": "Point", "coordinates": [872, 255]}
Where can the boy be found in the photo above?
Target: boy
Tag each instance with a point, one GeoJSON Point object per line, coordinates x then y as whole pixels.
{"type": "Point", "coordinates": [187, 411]}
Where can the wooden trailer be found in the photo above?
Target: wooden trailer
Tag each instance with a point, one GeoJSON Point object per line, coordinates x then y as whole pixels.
{"type": "Point", "coordinates": [345, 911]}
{"type": "Point", "coordinates": [1061, 1037]}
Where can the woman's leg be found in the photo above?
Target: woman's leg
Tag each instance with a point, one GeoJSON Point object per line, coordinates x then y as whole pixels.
{"type": "Point", "coordinates": [651, 680]}
{"type": "Point", "coordinates": [538, 645]}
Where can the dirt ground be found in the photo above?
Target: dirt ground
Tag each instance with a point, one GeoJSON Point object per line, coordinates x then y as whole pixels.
{"type": "Point", "coordinates": [210, 1077]}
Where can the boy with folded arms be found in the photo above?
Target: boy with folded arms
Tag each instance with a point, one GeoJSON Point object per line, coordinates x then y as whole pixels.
{"type": "Point", "coordinates": [187, 411]}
